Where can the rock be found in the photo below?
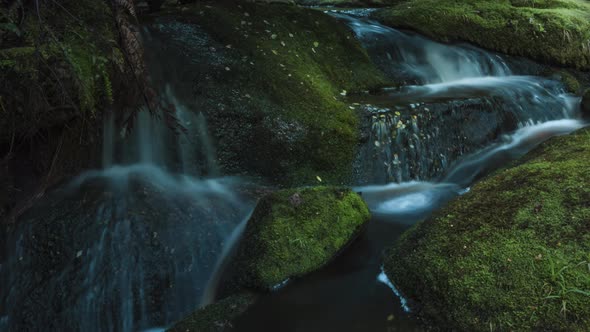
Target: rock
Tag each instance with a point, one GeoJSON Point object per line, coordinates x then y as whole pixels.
{"type": "Point", "coordinates": [284, 240]}
{"type": "Point", "coordinates": [586, 104]}
{"type": "Point", "coordinates": [282, 92]}
{"type": "Point", "coordinates": [79, 259]}
{"type": "Point", "coordinates": [216, 317]}
{"type": "Point", "coordinates": [551, 32]}
{"type": "Point", "coordinates": [512, 254]}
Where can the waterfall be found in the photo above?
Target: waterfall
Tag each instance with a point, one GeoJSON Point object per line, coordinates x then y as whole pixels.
{"type": "Point", "coordinates": [459, 100]}
{"type": "Point", "coordinates": [132, 245]}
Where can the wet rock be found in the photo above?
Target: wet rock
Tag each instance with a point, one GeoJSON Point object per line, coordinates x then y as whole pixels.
{"type": "Point", "coordinates": [216, 317]}
{"type": "Point", "coordinates": [278, 113]}
{"type": "Point", "coordinates": [408, 143]}
{"type": "Point", "coordinates": [512, 253]}
{"type": "Point", "coordinates": [125, 255]}
{"type": "Point", "coordinates": [284, 240]}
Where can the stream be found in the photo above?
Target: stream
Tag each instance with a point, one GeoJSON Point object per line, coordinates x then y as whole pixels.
{"type": "Point", "coordinates": [462, 113]}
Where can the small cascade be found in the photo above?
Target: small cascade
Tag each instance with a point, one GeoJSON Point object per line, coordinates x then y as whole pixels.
{"type": "Point", "coordinates": [412, 59]}
{"type": "Point", "coordinates": [460, 99]}
{"type": "Point", "coordinates": [132, 245]}
{"type": "Point", "coordinates": [415, 200]}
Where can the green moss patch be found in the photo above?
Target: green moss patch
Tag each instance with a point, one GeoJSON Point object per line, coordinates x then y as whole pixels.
{"type": "Point", "coordinates": [296, 66]}
{"type": "Point", "coordinates": [61, 66]}
{"type": "Point", "coordinates": [586, 104]}
{"type": "Point", "coordinates": [296, 231]}
{"type": "Point", "coordinates": [552, 31]}
{"type": "Point", "coordinates": [513, 254]}
{"type": "Point", "coordinates": [216, 317]}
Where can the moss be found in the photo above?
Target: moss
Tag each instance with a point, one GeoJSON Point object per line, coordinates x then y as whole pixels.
{"type": "Point", "coordinates": [296, 231]}
{"type": "Point", "coordinates": [216, 317]}
{"type": "Point", "coordinates": [513, 253]}
{"type": "Point", "coordinates": [570, 82]}
{"type": "Point", "coordinates": [65, 62]}
{"type": "Point", "coordinates": [301, 60]}
{"type": "Point", "coordinates": [586, 104]}
{"type": "Point", "coordinates": [552, 31]}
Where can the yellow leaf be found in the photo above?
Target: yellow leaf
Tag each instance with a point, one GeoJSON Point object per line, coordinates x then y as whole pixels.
{"type": "Point", "coordinates": [318, 178]}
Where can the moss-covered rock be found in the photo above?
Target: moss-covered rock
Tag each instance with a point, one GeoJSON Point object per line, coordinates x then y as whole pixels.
{"type": "Point", "coordinates": [555, 31]}
{"type": "Point", "coordinates": [296, 231]}
{"type": "Point", "coordinates": [275, 75]}
{"type": "Point", "coordinates": [62, 66]}
{"type": "Point", "coordinates": [512, 254]}
{"type": "Point", "coordinates": [570, 82]}
{"type": "Point", "coordinates": [216, 317]}
{"type": "Point", "coordinates": [586, 104]}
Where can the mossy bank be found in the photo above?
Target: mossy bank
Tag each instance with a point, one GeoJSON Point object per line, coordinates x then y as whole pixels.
{"type": "Point", "coordinates": [555, 32]}
{"type": "Point", "coordinates": [60, 64]}
{"type": "Point", "coordinates": [296, 231]}
{"type": "Point", "coordinates": [513, 253]}
{"type": "Point", "coordinates": [276, 75]}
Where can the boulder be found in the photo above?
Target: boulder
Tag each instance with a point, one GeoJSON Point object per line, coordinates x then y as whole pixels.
{"type": "Point", "coordinates": [512, 254]}
{"type": "Point", "coordinates": [296, 231]}
{"type": "Point", "coordinates": [273, 74]}
{"type": "Point", "coordinates": [123, 255]}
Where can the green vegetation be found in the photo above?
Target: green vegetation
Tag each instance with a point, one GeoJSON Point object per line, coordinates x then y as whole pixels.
{"type": "Point", "coordinates": [216, 317]}
{"type": "Point", "coordinates": [570, 82]}
{"type": "Point", "coordinates": [56, 65]}
{"type": "Point", "coordinates": [552, 31]}
{"type": "Point", "coordinates": [296, 231]}
{"type": "Point", "coordinates": [586, 104]}
{"type": "Point", "coordinates": [297, 65]}
{"type": "Point", "coordinates": [513, 254]}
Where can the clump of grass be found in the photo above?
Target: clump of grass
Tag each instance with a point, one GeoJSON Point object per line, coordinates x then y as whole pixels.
{"type": "Point", "coordinates": [513, 253]}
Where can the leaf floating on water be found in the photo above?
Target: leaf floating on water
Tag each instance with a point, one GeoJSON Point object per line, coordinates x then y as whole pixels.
{"type": "Point", "coordinates": [343, 93]}
{"type": "Point", "coordinates": [273, 36]}
{"type": "Point", "coordinates": [316, 44]}
{"type": "Point", "coordinates": [291, 35]}
{"type": "Point", "coordinates": [398, 113]}
{"type": "Point", "coordinates": [377, 144]}
{"type": "Point", "coordinates": [318, 178]}
{"type": "Point", "coordinates": [275, 52]}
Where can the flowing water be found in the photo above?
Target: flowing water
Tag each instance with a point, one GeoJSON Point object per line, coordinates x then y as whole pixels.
{"type": "Point", "coordinates": [129, 246]}
{"type": "Point", "coordinates": [456, 99]}
{"type": "Point", "coordinates": [145, 240]}
{"type": "Point", "coordinates": [465, 116]}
